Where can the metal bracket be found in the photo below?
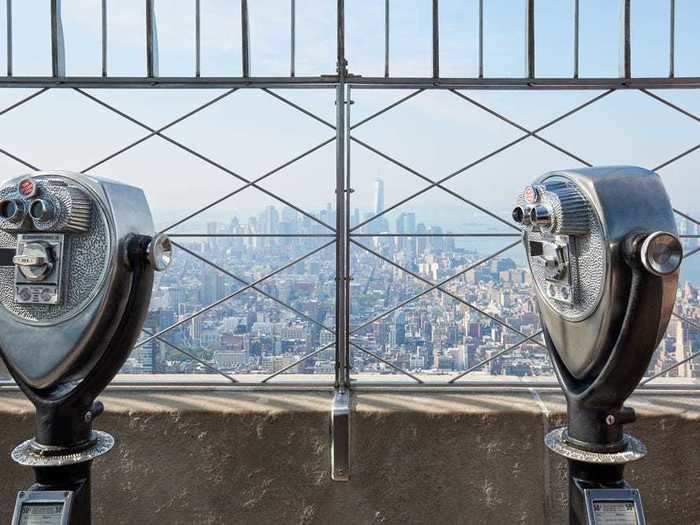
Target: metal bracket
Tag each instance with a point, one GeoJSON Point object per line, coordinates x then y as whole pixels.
{"type": "Point", "coordinates": [340, 436]}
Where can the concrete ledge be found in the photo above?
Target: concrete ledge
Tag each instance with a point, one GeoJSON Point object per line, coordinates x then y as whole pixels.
{"type": "Point", "coordinates": [417, 457]}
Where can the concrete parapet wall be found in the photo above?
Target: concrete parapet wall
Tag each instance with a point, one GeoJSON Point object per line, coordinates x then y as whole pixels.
{"type": "Point", "coordinates": [434, 457]}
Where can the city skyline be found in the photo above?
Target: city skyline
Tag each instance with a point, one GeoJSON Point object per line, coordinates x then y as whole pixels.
{"type": "Point", "coordinates": [435, 335]}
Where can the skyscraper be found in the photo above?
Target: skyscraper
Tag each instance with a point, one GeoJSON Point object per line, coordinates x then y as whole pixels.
{"type": "Point", "coordinates": [212, 229]}
{"type": "Point", "coordinates": [406, 223]}
{"type": "Point", "coordinates": [378, 195]}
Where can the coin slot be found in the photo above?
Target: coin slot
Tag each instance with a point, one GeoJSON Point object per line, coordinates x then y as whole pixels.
{"type": "Point", "coordinates": [536, 248]}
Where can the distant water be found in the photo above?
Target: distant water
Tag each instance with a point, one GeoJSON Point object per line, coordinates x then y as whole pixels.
{"type": "Point", "coordinates": [690, 271]}
{"type": "Point", "coordinates": [487, 245]}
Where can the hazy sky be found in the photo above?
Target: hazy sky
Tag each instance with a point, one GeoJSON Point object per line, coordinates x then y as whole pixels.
{"type": "Point", "coordinates": [435, 133]}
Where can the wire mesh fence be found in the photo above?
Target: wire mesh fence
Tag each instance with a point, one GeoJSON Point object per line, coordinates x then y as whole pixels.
{"type": "Point", "coordinates": [412, 273]}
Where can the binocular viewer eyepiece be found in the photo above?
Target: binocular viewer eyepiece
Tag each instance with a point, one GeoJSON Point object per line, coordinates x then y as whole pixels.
{"type": "Point", "coordinates": [559, 209]}
{"type": "Point", "coordinates": [604, 254]}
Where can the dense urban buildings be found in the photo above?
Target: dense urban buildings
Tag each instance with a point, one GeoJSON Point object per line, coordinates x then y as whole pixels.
{"type": "Point", "coordinates": [475, 317]}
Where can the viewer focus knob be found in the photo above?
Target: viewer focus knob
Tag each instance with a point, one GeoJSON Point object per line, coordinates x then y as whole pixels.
{"type": "Point", "coordinates": [661, 253]}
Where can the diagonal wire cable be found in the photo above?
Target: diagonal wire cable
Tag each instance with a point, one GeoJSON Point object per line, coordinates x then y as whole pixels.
{"type": "Point", "coordinates": [252, 183]}
{"type": "Point", "coordinates": [681, 155]}
{"type": "Point", "coordinates": [386, 362]}
{"type": "Point", "coordinates": [467, 201]}
{"type": "Point", "coordinates": [516, 345]}
{"type": "Point", "coordinates": [205, 158]}
{"type": "Point", "coordinates": [386, 108]}
{"type": "Point", "coordinates": [154, 132]}
{"type": "Point", "coordinates": [429, 180]}
{"type": "Point", "coordinates": [433, 287]}
{"type": "Point", "coordinates": [679, 363]}
{"type": "Point", "coordinates": [12, 107]}
{"type": "Point", "coordinates": [679, 110]}
{"type": "Point", "coordinates": [256, 288]}
{"type": "Point", "coordinates": [686, 216]}
{"type": "Point", "coordinates": [272, 297]}
{"type": "Point", "coordinates": [677, 157]}
{"type": "Point", "coordinates": [295, 363]}
{"type": "Point", "coordinates": [691, 252]}
{"type": "Point", "coordinates": [486, 157]}
{"type": "Point", "coordinates": [496, 356]}
{"type": "Point", "coordinates": [670, 104]}
{"type": "Point", "coordinates": [158, 132]}
{"type": "Point", "coordinates": [298, 108]}
{"type": "Point", "coordinates": [441, 289]}
{"type": "Point", "coordinates": [17, 159]}
{"type": "Point", "coordinates": [233, 294]}
{"type": "Point", "coordinates": [505, 119]}
{"type": "Point", "coordinates": [23, 101]}
{"type": "Point", "coordinates": [326, 123]}
{"type": "Point", "coordinates": [191, 356]}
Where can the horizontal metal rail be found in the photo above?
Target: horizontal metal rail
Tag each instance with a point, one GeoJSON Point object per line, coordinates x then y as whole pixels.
{"type": "Point", "coordinates": [482, 80]}
{"type": "Point", "coordinates": [357, 82]}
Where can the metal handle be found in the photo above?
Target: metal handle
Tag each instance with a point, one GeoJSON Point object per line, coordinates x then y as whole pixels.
{"type": "Point", "coordinates": [30, 260]}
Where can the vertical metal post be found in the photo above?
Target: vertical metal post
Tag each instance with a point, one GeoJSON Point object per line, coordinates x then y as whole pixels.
{"type": "Point", "coordinates": [340, 414]}
{"type": "Point", "coordinates": [386, 38]}
{"type": "Point", "coordinates": [340, 436]}
{"type": "Point", "coordinates": [8, 21]}
{"type": "Point", "coordinates": [626, 45]}
{"type": "Point", "coordinates": [530, 38]}
{"type": "Point", "coordinates": [104, 38]}
{"type": "Point", "coordinates": [293, 39]}
{"type": "Point", "coordinates": [342, 241]}
{"type": "Point", "coordinates": [436, 39]}
{"type": "Point", "coordinates": [151, 40]}
{"type": "Point", "coordinates": [198, 39]}
{"type": "Point", "coordinates": [58, 59]}
{"type": "Point", "coordinates": [245, 39]}
{"type": "Point", "coordinates": [672, 39]}
{"type": "Point", "coordinates": [577, 27]}
{"type": "Point", "coordinates": [348, 195]}
{"type": "Point", "coordinates": [481, 38]}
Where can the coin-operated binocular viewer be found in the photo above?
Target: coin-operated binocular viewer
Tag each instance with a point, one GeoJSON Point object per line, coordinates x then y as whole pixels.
{"type": "Point", "coordinates": [77, 256]}
{"type": "Point", "coordinates": [602, 248]}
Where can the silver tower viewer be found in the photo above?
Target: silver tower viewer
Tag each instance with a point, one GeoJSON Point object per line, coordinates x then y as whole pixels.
{"type": "Point", "coordinates": [604, 255]}
{"type": "Point", "coordinates": [77, 256]}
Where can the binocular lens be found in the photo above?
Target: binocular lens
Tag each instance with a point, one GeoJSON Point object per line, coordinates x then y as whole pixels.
{"type": "Point", "coordinates": [518, 214]}
{"type": "Point", "coordinates": [10, 210]}
{"type": "Point", "coordinates": [661, 253]}
{"type": "Point", "coordinates": [41, 210]}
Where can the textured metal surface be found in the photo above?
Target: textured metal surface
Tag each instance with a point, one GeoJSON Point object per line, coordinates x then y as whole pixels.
{"type": "Point", "coordinates": [72, 206]}
{"type": "Point", "coordinates": [588, 262]}
{"type": "Point", "coordinates": [572, 212]}
{"type": "Point", "coordinates": [87, 252]}
{"type": "Point", "coordinates": [556, 443]}
{"type": "Point", "coordinates": [24, 455]}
